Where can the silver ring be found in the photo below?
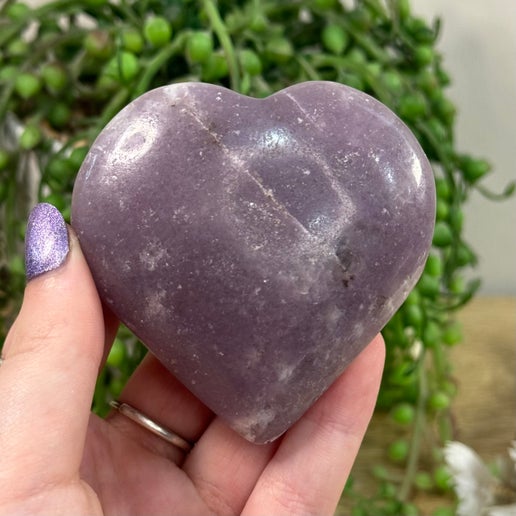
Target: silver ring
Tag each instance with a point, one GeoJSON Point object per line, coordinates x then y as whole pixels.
{"type": "Point", "coordinates": [136, 416]}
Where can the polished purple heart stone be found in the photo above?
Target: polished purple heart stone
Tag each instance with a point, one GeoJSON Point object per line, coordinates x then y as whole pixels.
{"type": "Point", "coordinates": [255, 245]}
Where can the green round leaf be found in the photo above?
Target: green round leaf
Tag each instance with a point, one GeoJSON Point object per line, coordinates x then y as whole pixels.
{"type": "Point", "coordinates": [30, 137]}
{"type": "Point", "coordinates": [132, 40]}
{"type": "Point", "coordinates": [157, 31]}
{"type": "Point", "coordinates": [439, 401]}
{"type": "Point", "coordinates": [250, 61]}
{"type": "Point", "coordinates": [99, 44]}
{"type": "Point", "coordinates": [199, 46]}
{"type": "Point", "coordinates": [398, 450]}
{"type": "Point", "coordinates": [54, 76]}
{"type": "Point", "coordinates": [403, 413]}
{"type": "Point", "coordinates": [18, 11]}
{"type": "Point", "coordinates": [334, 38]}
{"type": "Point", "coordinates": [443, 236]}
{"type": "Point", "coordinates": [27, 85]}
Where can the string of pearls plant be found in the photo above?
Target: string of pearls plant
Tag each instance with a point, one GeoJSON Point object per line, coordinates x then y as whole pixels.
{"type": "Point", "coordinates": [67, 67]}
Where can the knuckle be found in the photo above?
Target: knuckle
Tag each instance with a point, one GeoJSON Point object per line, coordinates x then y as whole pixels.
{"type": "Point", "coordinates": [34, 339]}
{"type": "Point", "coordinates": [291, 500]}
{"type": "Point", "coordinates": [214, 497]}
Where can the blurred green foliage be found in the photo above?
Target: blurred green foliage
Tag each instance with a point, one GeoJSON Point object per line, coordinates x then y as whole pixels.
{"type": "Point", "coordinates": [67, 67]}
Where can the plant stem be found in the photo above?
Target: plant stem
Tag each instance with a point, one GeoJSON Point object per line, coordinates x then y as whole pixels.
{"type": "Point", "coordinates": [59, 6]}
{"type": "Point", "coordinates": [311, 72]}
{"type": "Point", "coordinates": [5, 5]}
{"type": "Point", "coordinates": [10, 219]}
{"type": "Point", "coordinates": [445, 427]}
{"type": "Point", "coordinates": [225, 40]}
{"type": "Point", "coordinates": [116, 104]}
{"type": "Point", "coordinates": [125, 10]}
{"type": "Point", "coordinates": [493, 196]}
{"type": "Point", "coordinates": [417, 433]}
{"type": "Point", "coordinates": [445, 160]}
{"type": "Point", "coordinates": [440, 362]}
{"type": "Point", "coordinates": [343, 63]}
{"type": "Point", "coordinates": [157, 62]}
{"type": "Point", "coordinates": [5, 95]}
{"type": "Point", "coordinates": [375, 51]}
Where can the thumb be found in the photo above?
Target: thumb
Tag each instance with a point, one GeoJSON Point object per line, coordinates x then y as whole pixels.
{"type": "Point", "coordinates": [50, 359]}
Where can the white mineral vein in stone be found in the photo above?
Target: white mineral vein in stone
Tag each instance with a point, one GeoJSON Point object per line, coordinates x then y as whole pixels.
{"type": "Point", "coordinates": [134, 143]}
{"type": "Point", "coordinates": [241, 166]}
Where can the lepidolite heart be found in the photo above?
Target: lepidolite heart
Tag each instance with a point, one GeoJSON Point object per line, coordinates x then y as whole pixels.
{"type": "Point", "coordinates": [255, 245]}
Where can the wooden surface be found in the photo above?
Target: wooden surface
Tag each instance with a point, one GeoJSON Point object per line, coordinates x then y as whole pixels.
{"type": "Point", "coordinates": [485, 365]}
{"type": "Point", "coordinates": [484, 409]}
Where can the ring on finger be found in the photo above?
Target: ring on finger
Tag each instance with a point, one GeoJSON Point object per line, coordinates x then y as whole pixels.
{"type": "Point", "coordinates": [154, 427]}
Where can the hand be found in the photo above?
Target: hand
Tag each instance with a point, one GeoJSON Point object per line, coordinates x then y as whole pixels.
{"type": "Point", "coordinates": [58, 458]}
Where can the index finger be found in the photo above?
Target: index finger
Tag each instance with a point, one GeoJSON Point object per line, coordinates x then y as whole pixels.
{"type": "Point", "coordinates": [50, 361]}
{"type": "Point", "coordinates": [309, 470]}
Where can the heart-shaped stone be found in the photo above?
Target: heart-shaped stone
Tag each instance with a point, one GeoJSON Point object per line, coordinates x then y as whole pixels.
{"type": "Point", "coordinates": [255, 245]}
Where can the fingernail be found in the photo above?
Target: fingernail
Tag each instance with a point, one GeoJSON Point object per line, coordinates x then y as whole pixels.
{"type": "Point", "coordinates": [46, 240]}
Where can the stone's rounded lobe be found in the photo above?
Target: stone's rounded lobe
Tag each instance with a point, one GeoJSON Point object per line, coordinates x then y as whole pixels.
{"type": "Point", "coordinates": [255, 245]}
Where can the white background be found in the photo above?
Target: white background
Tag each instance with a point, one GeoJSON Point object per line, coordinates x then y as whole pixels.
{"type": "Point", "coordinates": [478, 41]}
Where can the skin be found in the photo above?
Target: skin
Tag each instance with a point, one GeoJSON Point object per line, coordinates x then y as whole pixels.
{"type": "Point", "coordinates": [58, 458]}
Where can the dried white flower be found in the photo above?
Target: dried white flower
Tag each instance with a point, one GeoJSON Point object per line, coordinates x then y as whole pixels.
{"type": "Point", "coordinates": [473, 482]}
{"type": "Point", "coordinates": [507, 467]}
{"type": "Point", "coordinates": [478, 490]}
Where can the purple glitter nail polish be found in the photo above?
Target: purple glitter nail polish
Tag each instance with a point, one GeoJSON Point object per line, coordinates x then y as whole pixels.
{"type": "Point", "coordinates": [46, 240]}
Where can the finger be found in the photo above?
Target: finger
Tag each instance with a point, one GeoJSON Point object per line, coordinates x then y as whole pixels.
{"type": "Point", "coordinates": [51, 359]}
{"type": "Point", "coordinates": [155, 392]}
{"type": "Point", "coordinates": [224, 468]}
{"type": "Point", "coordinates": [222, 450]}
{"type": "Point", "coordinates": [308, 472]}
